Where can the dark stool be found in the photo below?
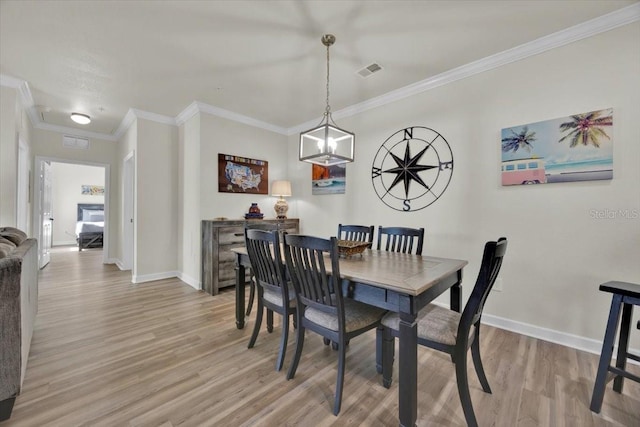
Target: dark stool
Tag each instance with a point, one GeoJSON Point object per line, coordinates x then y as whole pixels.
{"type": "Point", "coordinates": [625, 296]}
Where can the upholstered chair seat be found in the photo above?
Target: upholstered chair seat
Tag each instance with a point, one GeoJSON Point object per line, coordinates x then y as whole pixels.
{"type": "Point", "coordinates": [357, 315]}
{"type": "Point", "coordinates": [435, 323]}
{"type": "Point", "coordinates": [276, 297]}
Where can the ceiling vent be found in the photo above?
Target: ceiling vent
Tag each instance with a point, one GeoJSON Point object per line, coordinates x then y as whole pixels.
{"type": "Point", "coordinates": [75, 142]}
{"type": "Point", "coordinates": [369, 69]}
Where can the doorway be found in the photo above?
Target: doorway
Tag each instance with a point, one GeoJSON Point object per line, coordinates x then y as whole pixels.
{"type": "Point", "coordinates": [43, 196]}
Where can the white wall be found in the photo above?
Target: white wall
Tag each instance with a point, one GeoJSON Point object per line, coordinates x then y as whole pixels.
{"type": "Point", "coordinates": [558, 253]}
{"type": "Point", "coordinates": [8, 156]}
{"type": "Point", "coordinates": [220, 136]}
{"type": "Point", "coordinates": [189, 202]}
{"type": "Point", "coordinates": [14, 125]}
{"type": "Point", "coordinates": [156, 201]}
{"type": "Point", "coordinates": [67, 182]}
{"type": "Point", "coordinates": [203, 137]}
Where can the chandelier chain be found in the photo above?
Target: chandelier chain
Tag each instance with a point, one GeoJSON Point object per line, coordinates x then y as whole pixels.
{"type": "Point", "coordinates": [328, 108]}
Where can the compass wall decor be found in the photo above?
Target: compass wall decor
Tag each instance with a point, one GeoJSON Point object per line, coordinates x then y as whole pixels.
{"type": "Point", "coordinates": [412, 168]}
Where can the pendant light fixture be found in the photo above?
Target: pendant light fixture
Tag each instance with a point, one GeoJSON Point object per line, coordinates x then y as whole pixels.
{"type": "Point", "coordinates": [327, 144]}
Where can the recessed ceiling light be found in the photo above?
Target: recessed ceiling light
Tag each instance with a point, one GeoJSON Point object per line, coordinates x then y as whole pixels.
{"type": "Point", "coordinates": [81, 119]}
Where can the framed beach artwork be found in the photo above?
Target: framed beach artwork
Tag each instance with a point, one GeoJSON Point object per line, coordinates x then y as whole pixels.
{"type": "Point", "coordinates": [328, 179]}
{"type": "Point", "coordinates": [242, 175]}
{"type": "Point", "coordinates": [573, 148]}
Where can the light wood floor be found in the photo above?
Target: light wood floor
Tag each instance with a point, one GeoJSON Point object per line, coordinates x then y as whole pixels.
{"type": "Point", "coordinates": [107, 352]}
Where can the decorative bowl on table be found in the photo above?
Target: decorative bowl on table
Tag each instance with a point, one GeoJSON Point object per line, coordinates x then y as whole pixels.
{"type": "Point", "coordinates": [348, 248]}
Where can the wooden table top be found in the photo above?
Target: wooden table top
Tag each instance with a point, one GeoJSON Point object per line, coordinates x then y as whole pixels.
{"type": "Point", "coordinates": [405, 273]}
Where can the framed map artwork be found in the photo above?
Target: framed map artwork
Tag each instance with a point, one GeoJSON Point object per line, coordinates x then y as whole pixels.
{"type": "Point", "coordinates": [242, 175]}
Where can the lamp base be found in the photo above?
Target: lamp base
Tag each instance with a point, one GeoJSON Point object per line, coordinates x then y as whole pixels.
{"type": "Point", "coordinates": [281, 207]}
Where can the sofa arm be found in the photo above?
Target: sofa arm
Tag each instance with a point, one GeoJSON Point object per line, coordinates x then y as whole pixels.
{"type": "Point", "coordinates": [10, 327]}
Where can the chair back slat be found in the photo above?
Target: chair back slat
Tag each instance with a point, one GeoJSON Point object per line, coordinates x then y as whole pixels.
{"type": "Point", "coordinates": [401, 239]}
{"type": "Point", "coordinates": [305, 257]}
{"type": "Point", "coordinates": [489, 269]}
{"type": "Point", "coordinates": [263, 248]}
{"type": "Point", "coordinates": [359, 233]}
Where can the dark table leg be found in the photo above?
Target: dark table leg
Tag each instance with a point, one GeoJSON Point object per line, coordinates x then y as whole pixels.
{"type": "Point", "coordinates": [605, 355]}
{"type": "Point", "coordinates": [240, 285]}
{"type": "Point", "coordinates": [455, 294]}
{"type": "Point", "coordinates": [408, 384]}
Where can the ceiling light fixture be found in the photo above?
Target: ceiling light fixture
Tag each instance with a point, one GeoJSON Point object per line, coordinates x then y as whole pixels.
{"type": "Point", "coordinates": [81, 119]}
{"type": "Point", "coordinates": [327, 144]}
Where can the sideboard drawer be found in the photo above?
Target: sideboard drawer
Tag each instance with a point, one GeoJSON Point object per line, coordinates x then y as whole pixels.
{"type": "Point", "coordinates": [231, 235]}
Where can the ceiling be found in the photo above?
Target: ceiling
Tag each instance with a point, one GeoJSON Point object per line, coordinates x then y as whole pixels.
{"type": "Point", "coordinates": [259, 59]}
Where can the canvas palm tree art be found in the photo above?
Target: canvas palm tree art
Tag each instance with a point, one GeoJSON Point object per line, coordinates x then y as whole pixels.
{"type": "Point", "coordinates": [519, 140]}
{"type": "Point", "coordinates": [586, 128]}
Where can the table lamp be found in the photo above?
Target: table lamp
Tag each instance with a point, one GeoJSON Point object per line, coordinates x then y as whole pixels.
{"type": "Point", "coordinates": [281, 189]}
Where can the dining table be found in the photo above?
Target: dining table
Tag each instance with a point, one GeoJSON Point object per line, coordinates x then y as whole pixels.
{"type": "Point", "coordinates": [398, 282]}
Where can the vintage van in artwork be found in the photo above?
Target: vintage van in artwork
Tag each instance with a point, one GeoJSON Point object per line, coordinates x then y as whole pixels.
{"type": "Point", "coordinates": [523, 171]}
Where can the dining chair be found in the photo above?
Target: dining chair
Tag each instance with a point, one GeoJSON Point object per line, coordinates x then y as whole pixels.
{"type": "Point", "coordinates": [252, 283]}
{"type": "Point", "coordinates": [396, 239]}
{"type": "Point", "coordinates": [401, 239]}
{"type": "Point", "coordinates": [359, 233]}
{"type": "Point", "coordinates": [321, 307]}
{"type": "Point", "coordinates": [273, 291]}
{"type": "Point", "coordinates": [452, 332]}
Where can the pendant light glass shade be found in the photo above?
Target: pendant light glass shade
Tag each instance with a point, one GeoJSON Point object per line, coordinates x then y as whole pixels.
{"type": "Point", "coordinates": [327, 144]}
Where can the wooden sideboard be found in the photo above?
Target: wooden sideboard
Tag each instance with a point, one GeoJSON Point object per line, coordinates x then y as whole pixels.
{"type": "Point", "coordinates": [217, 264]}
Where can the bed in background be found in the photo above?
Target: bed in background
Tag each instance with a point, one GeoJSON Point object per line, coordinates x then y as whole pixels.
{"type": "Point", "coordinates": [90, 225]}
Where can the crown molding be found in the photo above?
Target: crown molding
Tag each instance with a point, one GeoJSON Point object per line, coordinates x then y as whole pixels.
{"type": "Point", "coordinates": [126, 122]}
{"type": "Point", "coordinates": [10, 81]}
{"type": "Point", "coordinates": [26, 98]}
{"type": "Point", "coordinates": [28, 103]}
{"type": "Point", "coordinates": [578, 32]}
{"type": "Point", "coordinates": [154, 117]}
{"type": "Point", "coordinates": [134, 114]}
{"type": "Point", "coordinates": [230, 115]}
{"type": "Point", "coordinates": [187, 113]}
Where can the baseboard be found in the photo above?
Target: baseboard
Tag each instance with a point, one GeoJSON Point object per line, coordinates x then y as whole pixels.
{"type": "Point", "coordinates": [195, 284]}
{"type": "Point", "coordinates": [65, 243]}
{"type": "Point", "coordinates": [562, 338]}
{"type": "Point", "coordinates": [153, 277]}
{"type": "Point", "coordinates": [569, 340]}
{"type": "Point", "coordinates": [159, 276]}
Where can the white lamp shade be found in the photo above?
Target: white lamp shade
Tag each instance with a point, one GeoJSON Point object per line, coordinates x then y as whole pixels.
{"type": "Point", "coordinates": [281, 189]}
{"type": "Point", "coordinates": [327, 145]}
